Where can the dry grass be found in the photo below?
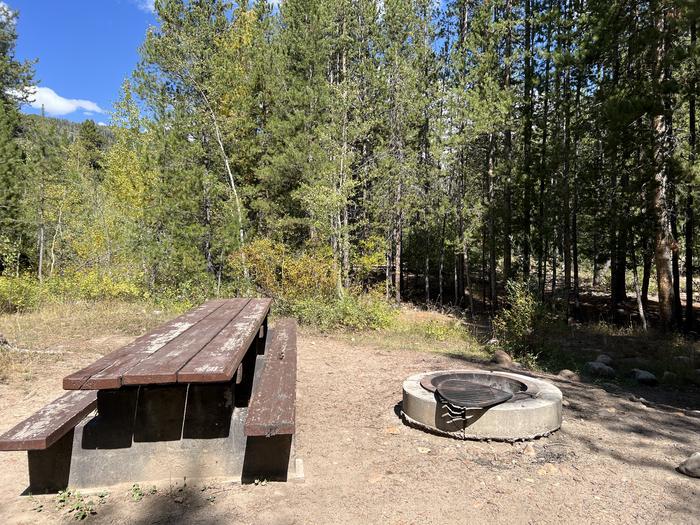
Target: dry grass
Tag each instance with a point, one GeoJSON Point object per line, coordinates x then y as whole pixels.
{"type": "Point", "coordinates": [423, 331]}
{"type": "Point", "coordinates": [16, 364]}
{"type": "Point", "coordinates": [42, 337]}
{"type": "Point", "coordinates": [68, 326]}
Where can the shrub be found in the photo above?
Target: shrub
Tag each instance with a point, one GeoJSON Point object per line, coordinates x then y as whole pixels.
{"type": "Point", "coordinates": [305, 285]}
{"type": "Point", "coordinates": [516, 325]}
{"type": "Point", "coordinates": [20, 293]}
{"type": "Point", "coordinates": [24, 292]}
{"type": "Point", "coordinates": [277, 272]}
{"type": "Point", "coordinates": [357, 312]}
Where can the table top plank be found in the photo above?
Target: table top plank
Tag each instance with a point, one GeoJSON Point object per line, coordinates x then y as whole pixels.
{"type": "Point", "coordinates": [107, 371]}
{"type": "Point", "coordinates": [219, 359]}
{"type": "Point", "coordinates": [163, 365]}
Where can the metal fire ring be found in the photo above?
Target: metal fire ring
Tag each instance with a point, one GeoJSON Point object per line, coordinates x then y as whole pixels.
{"type": "Point", "coordinates": [534, 410]}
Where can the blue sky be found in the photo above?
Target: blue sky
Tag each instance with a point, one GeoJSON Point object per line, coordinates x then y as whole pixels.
{"type": "Point", "coordinates": [85, 48]}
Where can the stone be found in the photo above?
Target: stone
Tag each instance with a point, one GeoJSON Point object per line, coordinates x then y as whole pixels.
{"type": "Point", "coordinates": [501, 358]}
{"type": "Point", "coordinates": [669, 377]}
{"type": "Point", "coordinates": [605, 359]}
{"type": "Point", "coordinates": [681, 359]}
{"type": "Point", "coordinates": [568, 375]}
{"type": "Point", "coordinates": [492, 342]}
{"type": "Point", "coordinates": [691, 466]}
{"type": "Point", "coordinates": [4, 341]}
{"type": "Point", "coordinates": [598, 369]}
{"type": "Point", "coordinates": [644, 377]}
{"type": "Point", "coordinates": [529, 450]}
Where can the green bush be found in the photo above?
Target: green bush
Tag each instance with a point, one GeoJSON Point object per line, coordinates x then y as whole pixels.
{"type": "Point", "coordinates": [305, 285]}
{"type": "Point", "coordinates": [357, 312]}
{"type": "Point", "coordinates": [20, 293]}
{"type": "Point", "coordinates": [24, 292]}
{"type": "Point", "coordinates": [516, 325]}
{"type": "Point", "coordinates": [275, 271]}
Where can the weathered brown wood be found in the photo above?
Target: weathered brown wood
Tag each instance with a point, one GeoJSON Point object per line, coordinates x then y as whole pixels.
{"type": "Point", "coordinates": [107, 371]}
{"type": "Point", "coordinates": [221, 357]}
{"type": "Point", "coordinates": [271, 410]}
{"type": "Point", "coordinates": [162, 366]}
{"type": "Point", "coordinates": [49, 424]}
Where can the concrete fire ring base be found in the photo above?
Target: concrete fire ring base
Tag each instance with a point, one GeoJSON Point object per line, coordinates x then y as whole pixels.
{"type": "Point", "coordinates": [535, 414]}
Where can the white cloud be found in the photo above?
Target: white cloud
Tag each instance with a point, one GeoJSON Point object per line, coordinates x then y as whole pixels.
{"type": "Point", "coordinates": [56, 105]}
{"type": "Point", "coordinates": [4, 11]}
{"type": "Point", "coordinates": [146, 5]}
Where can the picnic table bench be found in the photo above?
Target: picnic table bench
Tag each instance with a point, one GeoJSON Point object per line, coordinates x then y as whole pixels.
{"type": "Point", "coordinates": [208, 394]}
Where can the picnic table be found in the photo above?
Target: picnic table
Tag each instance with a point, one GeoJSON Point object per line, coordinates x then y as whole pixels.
{"type": "Point", "coordinates": [208, 394]}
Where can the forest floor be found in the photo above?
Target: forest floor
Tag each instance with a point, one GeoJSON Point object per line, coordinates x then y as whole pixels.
{"type": "Point", "coordinates": [612, 461]}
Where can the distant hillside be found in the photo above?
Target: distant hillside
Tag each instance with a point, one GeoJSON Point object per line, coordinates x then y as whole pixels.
{"type": "Point", "coordinates": [69, 128]}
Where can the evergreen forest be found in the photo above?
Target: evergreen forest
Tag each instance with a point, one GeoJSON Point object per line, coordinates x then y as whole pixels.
{"type": "Point", "coordinates": [344, 156]}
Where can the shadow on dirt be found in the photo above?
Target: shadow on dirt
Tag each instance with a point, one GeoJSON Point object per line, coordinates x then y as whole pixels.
{"type": "Point", "coordinates": [189, 505]}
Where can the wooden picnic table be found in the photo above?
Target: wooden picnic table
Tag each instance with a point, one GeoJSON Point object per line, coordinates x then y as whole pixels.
{"type": "Point", "coordinates": [208, 394]}
{"type": "Point", "coordinates": [205, 345]}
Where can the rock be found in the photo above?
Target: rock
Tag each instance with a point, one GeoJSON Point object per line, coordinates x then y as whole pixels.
{"type": "Point", "coordinates": [568, 375]}
{"type": "Point", "coordinates": [529, 450]}
{"type": "Point", "coordinates": [501, 358]}
{"type": "Point", "coordinates": [669, 377]}
{"type": "Point", "coordinates": [681, 359]}
{"type": "Point", "coordinates": [598, 369]}
{"type": "Point", "coordinates": [492, 342]}
{"type": "Point", "coordinates": [634, 362]}
{"type": "Point", "coordinates": [3, 341]}
{"type": "Point", "coordinates": [644, 378]}
{"type": "Point", "coordinates": [691, 466]}
{"type": "Point", "coordinates": [605, 359]}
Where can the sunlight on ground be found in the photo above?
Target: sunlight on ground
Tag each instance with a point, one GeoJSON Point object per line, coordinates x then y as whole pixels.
{"type": "Point", "coordinates": [424, 331]}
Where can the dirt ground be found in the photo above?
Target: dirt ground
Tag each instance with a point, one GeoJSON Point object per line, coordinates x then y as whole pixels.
{"type": "Point", "coordinates": [612, 461]}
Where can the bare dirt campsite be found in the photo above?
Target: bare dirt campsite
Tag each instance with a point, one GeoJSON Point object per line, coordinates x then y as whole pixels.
{"type": "Point", "coordinates": [612, 461]}
{"type": "Point", "coordinates": [349, 262]}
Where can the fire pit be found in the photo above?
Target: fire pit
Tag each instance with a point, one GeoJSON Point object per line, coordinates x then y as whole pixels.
{"type": "Point", "coordinates": [476, 404]}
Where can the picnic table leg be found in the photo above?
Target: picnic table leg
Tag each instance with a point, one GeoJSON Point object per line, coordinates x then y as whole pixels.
{"type": "Point", "coordinates": [262, 336]}
{"type": "Point", "coordinates": [209, 411]}
{"type": "Point", "coordinates": [246, 372]}
{"type": "Point", "coordinates": [113, 427]}
{"type": "Point", "coordinates": [49, 469]}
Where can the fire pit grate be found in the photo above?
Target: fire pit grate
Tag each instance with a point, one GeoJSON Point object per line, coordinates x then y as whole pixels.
{"type": "Point", "coordinates": [467, 394]}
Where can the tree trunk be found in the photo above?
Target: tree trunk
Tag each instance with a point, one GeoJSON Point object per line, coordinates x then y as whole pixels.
{"type": "Point", "coordinates": [507, 147]}
{"type": "Point", "coordinates": [640, 305]}
{"type": "Point", "coordinates": [543, 241]}
{"type": "Point", "coordinates": [527, 140]}
{"type": "Point", "coordinates": [397, 262]}
{"type": "Point", "coordinates": [465, 249]}
{"type": "Point", "coordinates": [689, 214]}
{"type": "Point", "coordinates": [648, 259]}
{"type": "Point", "coordinates": [441, 263]}
{"type": "Point", "coordinates": [664, 241]}
{"type": "Point", "coordinates": [566, 198]}
{"type": "Point", "coordinates": [491, 223]}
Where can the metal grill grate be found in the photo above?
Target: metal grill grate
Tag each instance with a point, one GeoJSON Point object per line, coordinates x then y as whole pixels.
{"type": "Point", "coordinates": [467, 394]}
